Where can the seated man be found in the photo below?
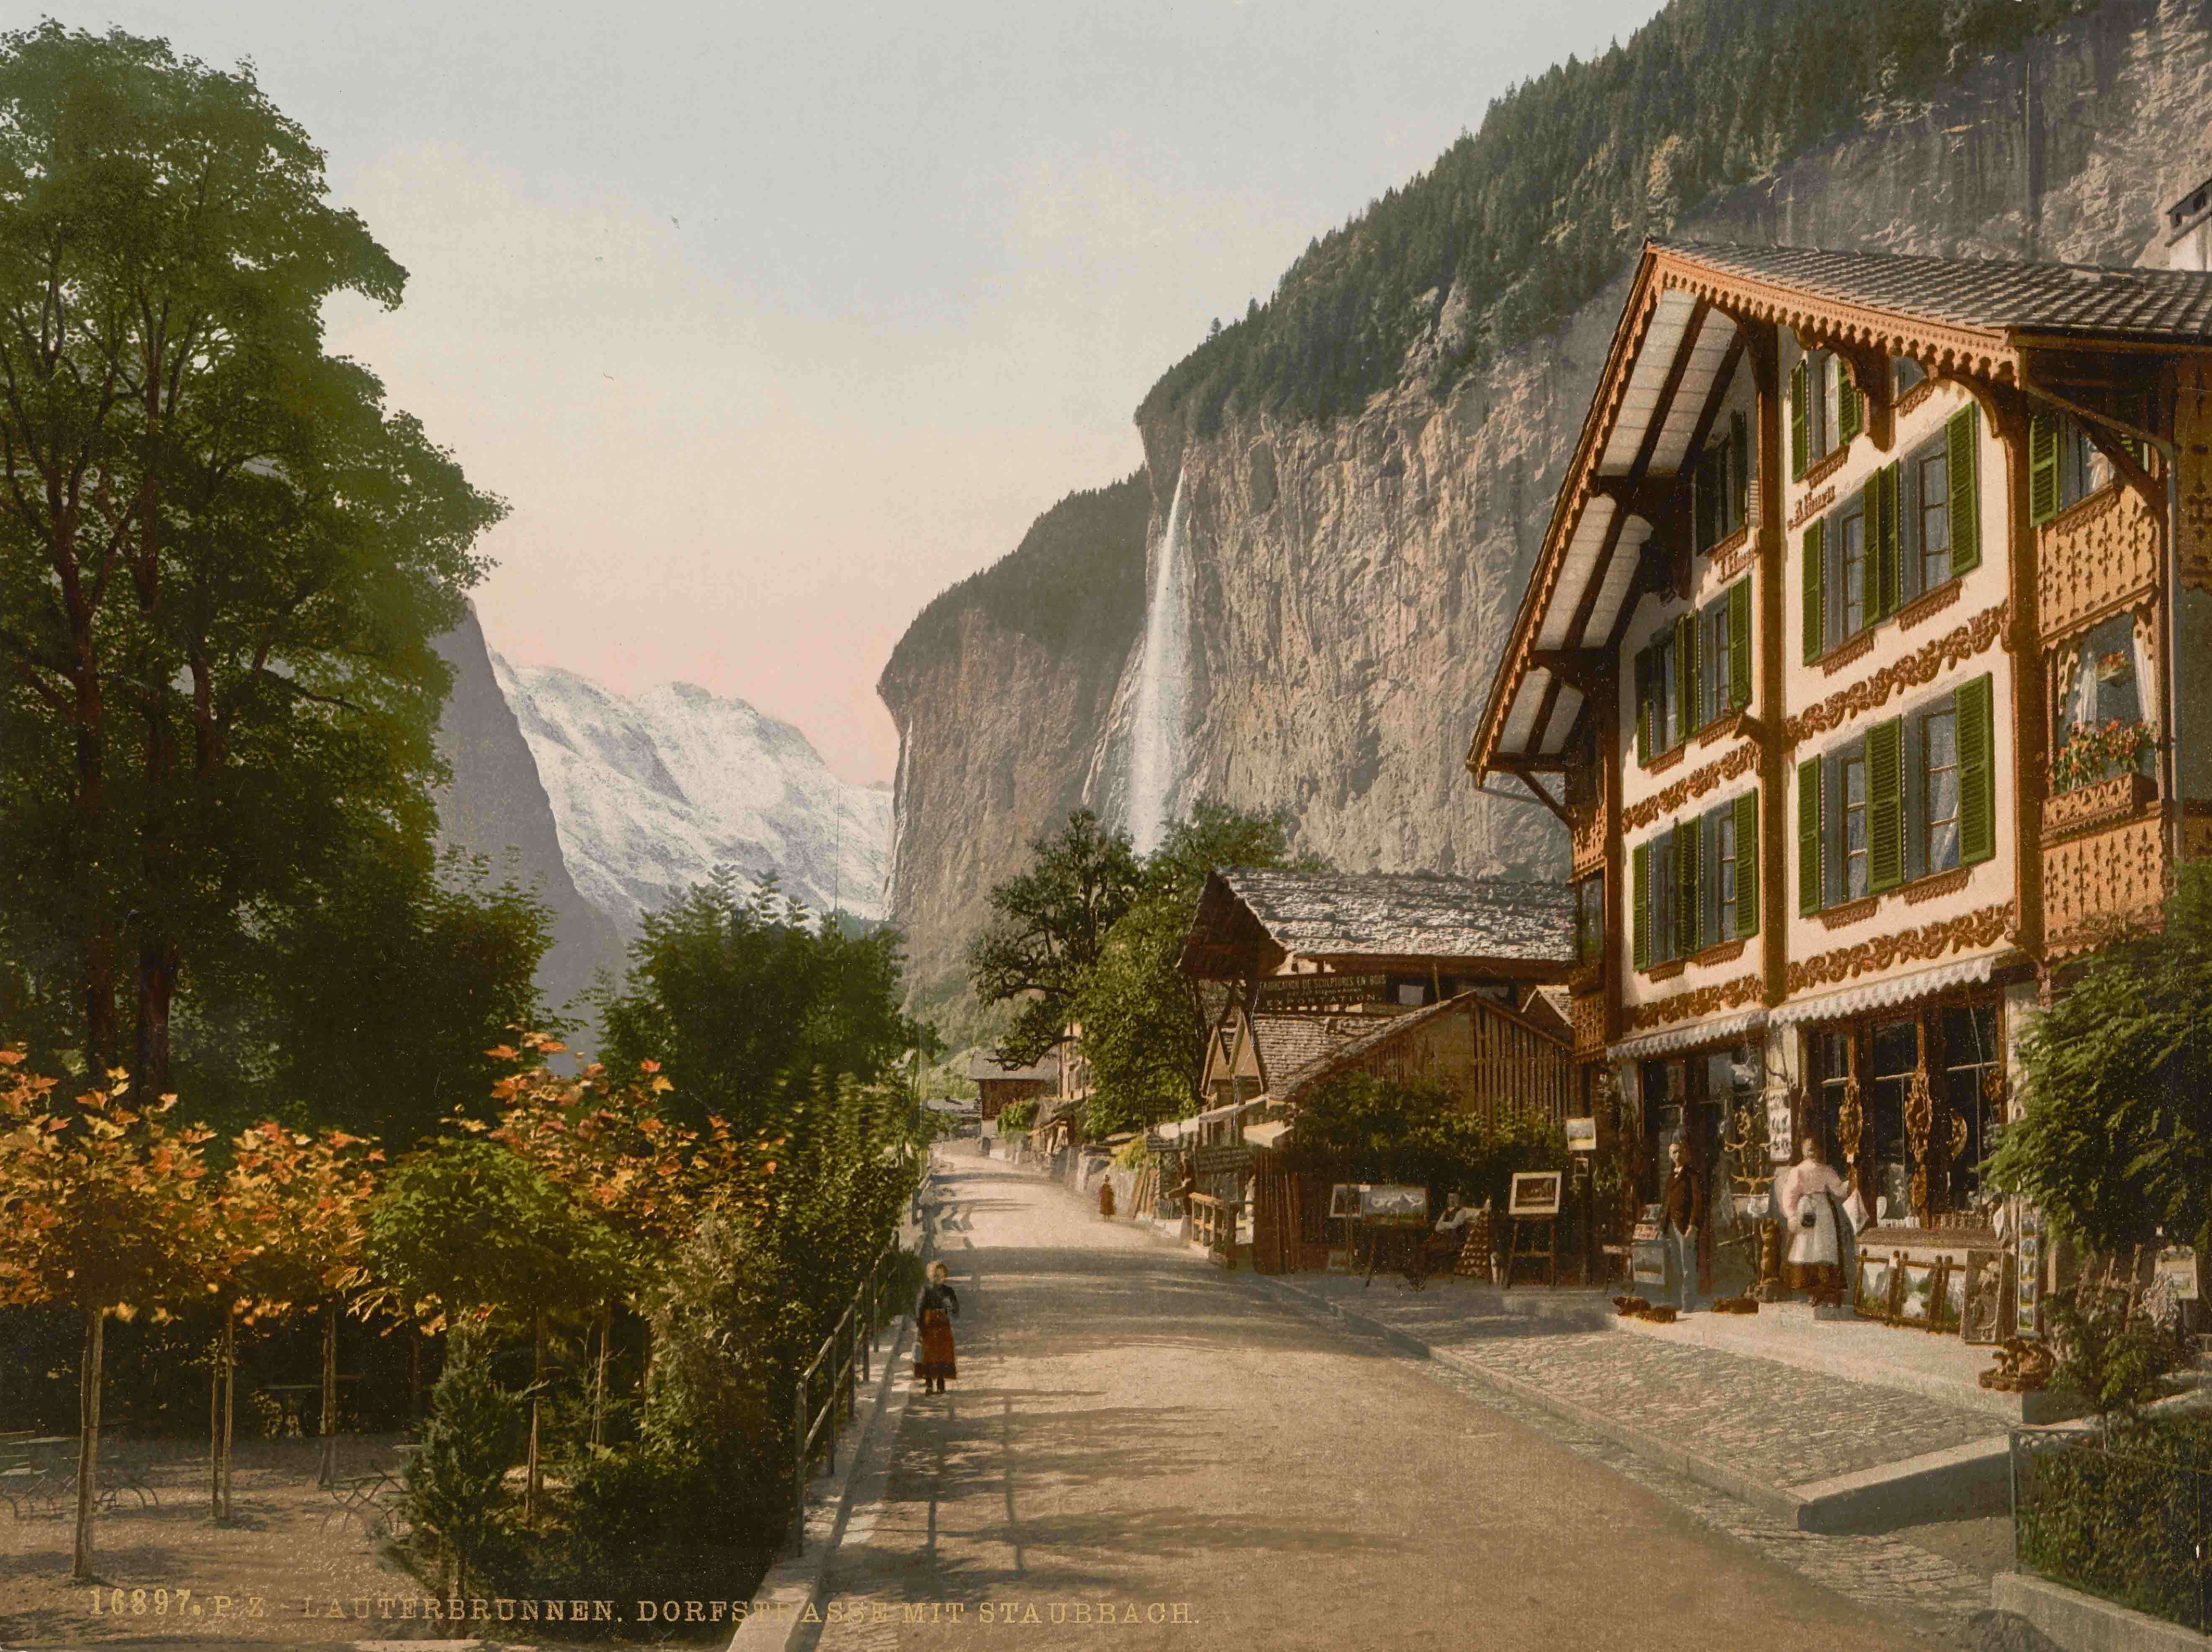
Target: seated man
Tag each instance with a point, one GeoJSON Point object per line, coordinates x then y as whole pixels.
{"type": "Point", "coordinates": [1450, 1234]}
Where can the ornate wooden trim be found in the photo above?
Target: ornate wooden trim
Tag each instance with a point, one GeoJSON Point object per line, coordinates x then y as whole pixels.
{"type": "Point", "coordinates": [2095, 558]}
{"type": "Point", "coordinates": [1729, 546]}
{"type": "Point", "coordinates": [1665, 760]}
{"type": "Point", "coordinates": [2096, 880]}
{"type": "Point", "coordinates": [1586, 835]}
{"type": "Point", "coordinates": [1985, 927]}
{"type": "Point", "coordinates": [1920, 1133]}
{"type": "Point", "coordinates": [1829, 463]}
{"type": "Point", "coordinates": [1928, 604]}
{"type": "Point", "coordinates": [1810, 507]}
{"type": "Point", "coordinates": [1934, 888]}
{"type": "Point", "coordinates": [1738, 763]}
{"type": "Point", "coordinates": [1738, 554]}
{"type": "Point", "coordinates": [2088, 807]}
{"type": "Point", "coordinates": [1910, 402]}
{"type": "Point", "coordinates": [1719, 953]}
{"type": "Point", "coordinates": [1846, 653]}
{"type": "Point", "coordinates": [1668, 970]}
{"type": "Point", "coordinates": [1721, 728]}
{"type": "Point", "coordinates": [1590, 1023]}
{"type": "Point", "coordinates": [1915, 670]}
{"type": "Point", "coordinates": [1850, 912]}
{"type": "Point", "coordinates": [1704, 1000]}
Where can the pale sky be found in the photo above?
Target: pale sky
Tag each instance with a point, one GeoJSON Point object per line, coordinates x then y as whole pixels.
{"type": "Point", "coordinates": [770, 322]}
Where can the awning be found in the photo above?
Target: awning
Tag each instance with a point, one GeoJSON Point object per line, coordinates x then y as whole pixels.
{"type": "Point", "coordinates": [1267, 1135]}
{"type": "Point", "coordinates": [1727, 1030]}
{"type": "Point", "coordinates": [1897, 989]}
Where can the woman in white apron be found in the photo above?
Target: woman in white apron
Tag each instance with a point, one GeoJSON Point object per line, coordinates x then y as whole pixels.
{"type": "Point", "coordinates": [1821, 1211]}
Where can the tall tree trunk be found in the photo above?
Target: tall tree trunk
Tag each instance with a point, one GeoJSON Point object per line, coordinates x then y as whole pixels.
{"type": "Point", "coordinates": [599, 1374]}
{"type": "Point", "coordinates": [536, 1400]}
{"type": "Point", "coordinates": [214, 1428]}
{"type": "Point", "coordinates": [330, 1443]}
{"type": "Point", "coordinates": [158, 963]}
{"type": "Point", "coordinates": [414, 1375]}
{"type": "Point", "coordinates": [88, 1444]}
{"type": "Point", "coordinates": [229, 1398]}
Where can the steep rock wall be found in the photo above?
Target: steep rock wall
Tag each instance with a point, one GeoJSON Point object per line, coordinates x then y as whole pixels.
{"type": "Point", "coordinates": [1351, 584]}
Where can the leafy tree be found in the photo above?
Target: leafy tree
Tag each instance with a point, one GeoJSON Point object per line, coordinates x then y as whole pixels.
{"type": "Point", "coordinates": [456, 1485]}
{"type": "Point", "coordinates": [1049, 928]}
{"type": "Point", "coordinates": [741, 996]}
{"type": "Point", "coordinates": [99, 1213]}
{"type": "Point", "coordinates": [222, 560]}
{"type": "Point", "coordinates": [2114, 1139]}
{"type": "Point", "coordinates": [1374, 1127]}
{"type": "Point", "coordinates": [1141, 1030]}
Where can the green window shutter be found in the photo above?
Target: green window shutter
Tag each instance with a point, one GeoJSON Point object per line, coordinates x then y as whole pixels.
{"type": "Point", "coordinates": [1809, 836]}
{"type": "Point", "coordinates": [1640, 936]}
{"type": "Point", "coordinates": [1881, 521]}
{"type": "Point", "coordinates": [1798, 439]}
{"type": "Point", "coordinates": [1738, 659]}
{"type": "Point", "coordinates": [1746, 865]}
{"type": "Point", "coordinates": [1885, 760]}
{"type": "Point", "coordinates": [2042, 468]}
{"type": "Point", "coordinates": [1686, 867]}
{"type": "Point", "coordinates": [1816, 590]}
{"type": "Point", "coordinates": [1977, 801]}
{"type": "Point", "coordinates": [1686, 671]}
{"type": "Point", "coordinates": [1964, 451]}
{"type": "Point", "coordinates": [1644, 705]}
{"type": "Point", "coordinates": [1850, 409]}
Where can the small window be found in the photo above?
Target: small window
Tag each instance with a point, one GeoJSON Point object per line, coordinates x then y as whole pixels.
{"type": "Point", "coordinates": [1853, 545]}
{"type": "Point", "coordinates": [1589, 919]}
{"type": "Point", "coordinates": [1939, 744]}
{"type": "Point", "coordinates": [1855, 826]}
{"type": "Point", "coordinates": [1663, 887]}
{"type": "Point", "coordinates": [1723, 830]}
{"type": "Point", "coordinates": [1668, 681]}
{"type": "Point", "coordinates": [1935, 520]}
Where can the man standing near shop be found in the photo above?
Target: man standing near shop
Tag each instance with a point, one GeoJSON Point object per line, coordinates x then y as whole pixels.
{"type": "Point", "coordinates": [1685, 1205]}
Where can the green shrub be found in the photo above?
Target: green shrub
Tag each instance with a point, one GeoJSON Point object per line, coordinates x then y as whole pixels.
{"type": "Point", "coordinates": [2120, 1517]}
{"type": "Point", "coordinates": [456, 1485]}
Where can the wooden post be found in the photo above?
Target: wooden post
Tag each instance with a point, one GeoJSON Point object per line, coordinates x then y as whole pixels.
{"type": "Point", "coordinates": [798, 1467]}
{"type": "Point", "coordinates": [600, 1373]}
{"type": "Point", "coordinates": [328, 1474]}
{"type": "Point", "coordinates": [229, 1398]}
{"type": "Point", "coordinates": [88, 1444]}
{"type": "Point", "coordinates": [537, 1401]}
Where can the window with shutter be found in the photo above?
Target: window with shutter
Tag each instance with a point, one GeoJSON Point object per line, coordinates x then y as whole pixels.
{"type": "Point", "coordinates": [1740, 465]}
{"type": "Point", "coordinates": [1716, 877]}
{"type": "Point", "coordinates": [1851, 791]}
{"type": "Point", "coordinates": [1746, 865]}
{"type": "Point", "coordinates": [1882, 492]}
{"type": "Point", "coordinates": [1799, 389]}
{"type": "Point", "coordinates": [1685, 679]}
{"type": "Point", "coordinates": [1640, 891]}
{"type": "Point", "coordinates": [1644, 706]}
{"type": "Point", "coordinates": [1687, 864]}
{"type": "Point", "coordinates": [1977, 802]}
{"type": "Point", "coordinates": [2043, 479]}
{"type": "Point", "coordinates": [1816, 641]}
{"type": "Point", "coordinates": [1963, 440]}
{"type": "Point", "coordinates": [1850, 411]}
{"type": "Point", "coordinates": [1810, 859]}
{"type": "Point", "coordinates": [1739, 664]}
{"type": "Point", "coordinates": [1851, 566]}
{"type": "Point", "coordinates": [1884, 759]}
{"type": "Point", "coordinates": [1938, 824]}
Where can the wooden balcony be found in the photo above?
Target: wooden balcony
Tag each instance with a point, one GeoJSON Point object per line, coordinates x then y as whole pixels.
{"type": "Point", "coordinates": [2106, 802]}
{"type": "Point", "coordinates": [2107, 873]}
{"type": "Point", "coordinates": [1587, 835]}
{"type": "Point", "coordinates": [2095, 558]}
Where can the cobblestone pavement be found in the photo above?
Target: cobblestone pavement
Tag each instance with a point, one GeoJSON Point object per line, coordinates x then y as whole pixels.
{"type": "Point", "coordinates": [1770, 1422]}
{"type": "Point", "coordinates": [1132, 1428]}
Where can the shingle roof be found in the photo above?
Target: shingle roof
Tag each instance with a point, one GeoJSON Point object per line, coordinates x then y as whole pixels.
{"type": "Point", "coordinates": [985, 1064]}
{"type": "Point", "coordinates": [1411, 915]}
{"type": "Point", "coordinates": [1289, 1042]}
{"type": "Point", "coordinates": [1993, 295]}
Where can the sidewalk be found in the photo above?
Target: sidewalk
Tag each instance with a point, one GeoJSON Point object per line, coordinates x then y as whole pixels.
{"type": "Point", "coordinates": [1818, 1450]}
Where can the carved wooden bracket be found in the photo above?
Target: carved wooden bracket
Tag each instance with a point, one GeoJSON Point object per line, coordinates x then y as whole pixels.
{"type": "Point", "coordinates": [1871, 371]}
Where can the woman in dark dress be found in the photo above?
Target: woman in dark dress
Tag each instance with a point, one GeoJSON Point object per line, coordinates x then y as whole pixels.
{"type": "Point", "coordinates": [935, 1313]}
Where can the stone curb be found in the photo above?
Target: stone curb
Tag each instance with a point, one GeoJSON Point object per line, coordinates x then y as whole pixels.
{"type": "Point", "coordinates": [2082, 1623]}
{"type": "Point", "coordinates": [1924, 1485]}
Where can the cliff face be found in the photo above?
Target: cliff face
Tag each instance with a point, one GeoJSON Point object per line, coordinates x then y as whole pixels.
{"type": "Point", "coordinates": [999, 690]}
{"type": "Point", "coordinates": [1351, 584]}
{"type": "Point", "coordinates": [496, 806]}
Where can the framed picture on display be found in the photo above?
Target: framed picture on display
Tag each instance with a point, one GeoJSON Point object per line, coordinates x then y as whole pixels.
{"type": "Point", "coordinates": [1981, 1313]}
{"type": "Point", "coordinates": [1535, 1192]}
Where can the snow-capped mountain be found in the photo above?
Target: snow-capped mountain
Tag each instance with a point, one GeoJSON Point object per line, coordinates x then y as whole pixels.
{"type": "Point", "coordinates": [650, 795]}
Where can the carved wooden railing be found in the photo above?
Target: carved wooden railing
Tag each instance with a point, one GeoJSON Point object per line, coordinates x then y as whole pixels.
{"type": "Point", "coordinates": [2095, 558]}
{"type": "Point", "coordinates": [1587, 830]}
{"type": "Point", "coordinates": [2096, 878]}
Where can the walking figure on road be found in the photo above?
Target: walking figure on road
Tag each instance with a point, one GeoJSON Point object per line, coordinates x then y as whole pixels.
{"type": "Point", "coordinates": [1106, 1197]}
{"type": "Point", "coordinates": [934, 1314]}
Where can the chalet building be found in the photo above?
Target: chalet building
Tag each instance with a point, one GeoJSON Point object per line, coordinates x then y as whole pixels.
{"type": "Point", "coordinates": [1863, 658]}
{"type": "Point", "coordinates": [998, 1083]}
{"type": "Point", "coordinates": [1306, 976]}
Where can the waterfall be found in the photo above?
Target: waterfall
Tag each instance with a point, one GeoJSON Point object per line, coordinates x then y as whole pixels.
{"type": "Point", "coordinates": [1155, 741]}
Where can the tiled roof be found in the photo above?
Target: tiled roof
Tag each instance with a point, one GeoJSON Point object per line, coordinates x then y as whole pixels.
{"type": "Point", "coordinates": [1991, 294]}
{"type": "Point", "coordinates": [985, 1064]}
{"type": "Point", "coordinates": [1411, 915]}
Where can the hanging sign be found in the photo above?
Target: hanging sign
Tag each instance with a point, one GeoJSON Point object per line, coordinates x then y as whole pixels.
{"type": "Point", "coordinates": [1278, 994]}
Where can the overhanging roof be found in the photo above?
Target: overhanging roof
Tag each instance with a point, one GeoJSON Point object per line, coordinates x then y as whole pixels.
{"type": "Point", "coordinates": [1250, 922]}
{"type": "Point", "coordinates": [1685, 313]}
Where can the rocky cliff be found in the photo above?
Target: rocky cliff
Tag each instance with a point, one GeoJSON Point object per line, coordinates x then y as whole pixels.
{"type": "Point", "coordinates": [496, 807]}
{"type": "Point", "coordinates": [1351, 582]}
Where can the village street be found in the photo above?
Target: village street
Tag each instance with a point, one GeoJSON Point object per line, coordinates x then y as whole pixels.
{"type": "Point", "coordinates": [1132, 1426]}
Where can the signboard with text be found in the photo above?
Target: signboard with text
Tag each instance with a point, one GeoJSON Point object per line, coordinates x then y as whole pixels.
{"type": "Point", "coordinates": [1279, 994]}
